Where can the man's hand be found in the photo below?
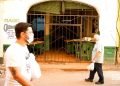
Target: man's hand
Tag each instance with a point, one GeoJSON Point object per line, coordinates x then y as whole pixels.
{"type": "Point", "coordinates": [93, 61]}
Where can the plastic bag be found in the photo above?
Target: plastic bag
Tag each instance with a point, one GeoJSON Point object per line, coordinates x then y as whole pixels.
{"type": "Point", "coordinates": [35, 68]}
{"type": "Point", "coordinates": [90, 66]}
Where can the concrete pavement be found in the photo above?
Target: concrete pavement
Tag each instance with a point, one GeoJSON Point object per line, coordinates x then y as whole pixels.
{"type": "Point", "coordinates": [73, 74]}
{"type": "Point", "coordinates": [56, 77]}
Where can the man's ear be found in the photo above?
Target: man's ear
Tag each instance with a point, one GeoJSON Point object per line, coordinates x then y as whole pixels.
{"type": "Point", "coordinates": [23, 35]}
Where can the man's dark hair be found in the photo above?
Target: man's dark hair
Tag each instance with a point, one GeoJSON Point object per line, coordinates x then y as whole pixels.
{"type": "Point", "coordinates": [21, 27]}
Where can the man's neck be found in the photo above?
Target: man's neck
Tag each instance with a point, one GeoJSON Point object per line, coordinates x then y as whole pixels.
{"type": "Point", "coordinates": [22, 43]}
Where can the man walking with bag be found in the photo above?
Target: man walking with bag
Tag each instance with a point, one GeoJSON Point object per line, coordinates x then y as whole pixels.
{"type": "Point", "coordinates": [17, 58]}
{"type": "Point", "coordinates": [97, 59]}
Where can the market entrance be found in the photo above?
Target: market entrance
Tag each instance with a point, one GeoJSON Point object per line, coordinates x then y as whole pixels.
{"type": "Point", "coordinates": [59, 30]}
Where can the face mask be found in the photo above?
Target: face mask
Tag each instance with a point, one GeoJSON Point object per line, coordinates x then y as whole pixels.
{"type": "Point", "coordinates": [30, 38]}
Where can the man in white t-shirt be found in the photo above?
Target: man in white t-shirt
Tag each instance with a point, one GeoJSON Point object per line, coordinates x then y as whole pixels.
{"type": "Point", "coordinates": [18, 67]}
{"type": "Point", "coordinates": [97, 59]}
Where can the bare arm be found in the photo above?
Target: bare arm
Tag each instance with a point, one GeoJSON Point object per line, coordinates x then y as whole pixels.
{"type": "Point", "coordinates": [97, 55]}
{"type": "Point", "coordinates": [18, 77]}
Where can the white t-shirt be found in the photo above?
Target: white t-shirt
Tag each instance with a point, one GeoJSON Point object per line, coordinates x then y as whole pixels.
{"type": "Point", "coordinates": [17, 56]}
{"type": "Point", "coordinates": [98, 47]}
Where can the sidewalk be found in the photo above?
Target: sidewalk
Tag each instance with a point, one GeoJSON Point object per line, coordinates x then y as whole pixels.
{"type": "Point", "coordinates": [76, 66]}
{"type": "Point", "coordinates": [73, 74]}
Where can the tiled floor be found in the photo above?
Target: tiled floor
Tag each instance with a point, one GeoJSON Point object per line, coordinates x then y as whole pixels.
{"type": "Point", "coordinates": [58, 56]}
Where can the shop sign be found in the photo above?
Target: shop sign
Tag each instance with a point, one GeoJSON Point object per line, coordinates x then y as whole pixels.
{"type": "Point", "coordinates": [10, 29]}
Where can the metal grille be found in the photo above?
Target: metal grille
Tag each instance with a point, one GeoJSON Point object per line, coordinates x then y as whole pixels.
{"type": "Point", "coordinates": [58, 34]}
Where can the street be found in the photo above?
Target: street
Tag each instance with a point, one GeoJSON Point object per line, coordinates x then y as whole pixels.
{"type": "Point", "coordinates": [75, 78]}
{"type": "Point", "coordinates": [73, 75]}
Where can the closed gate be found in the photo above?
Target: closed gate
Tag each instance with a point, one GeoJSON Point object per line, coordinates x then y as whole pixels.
{"type": "Point", "coordinates": [58, 37]}
{"type": "Point", "coordinates": [64, 28]}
